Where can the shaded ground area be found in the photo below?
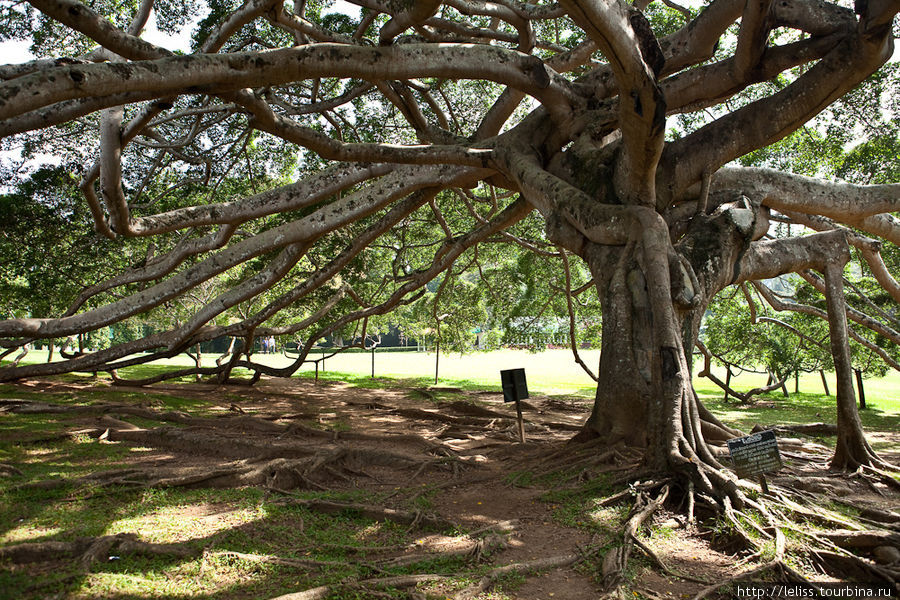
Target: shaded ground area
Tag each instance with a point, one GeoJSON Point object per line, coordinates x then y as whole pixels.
{"type": "Point", "coordinates": [330, 491]}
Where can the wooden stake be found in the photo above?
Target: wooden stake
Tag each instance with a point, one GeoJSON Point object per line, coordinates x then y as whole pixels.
{"type": "Point", "coordinates": [520, 420]}
{"type": "Point", "coordinates": [859, 387]}
{"type": "Point", "coordinates": [437, 358]}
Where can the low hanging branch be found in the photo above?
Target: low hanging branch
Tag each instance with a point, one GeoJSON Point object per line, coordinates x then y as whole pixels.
{"type": "Point", "coordinates": [573, 343]}
{"type": "Point", "coordinates": [780, 305]}
{"type": "Point", "coordinates": [744, 397]}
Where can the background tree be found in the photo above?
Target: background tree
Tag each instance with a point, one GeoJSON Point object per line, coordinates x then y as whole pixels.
{"type": "Point", "coordinates": [618, 125]}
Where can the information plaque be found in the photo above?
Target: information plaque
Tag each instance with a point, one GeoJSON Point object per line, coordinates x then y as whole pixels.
{"type": "Point", "coordinates": [755, 454]}
{"type": "Point", "coordinates": [513, 383]}
{"type": "Point", "coordinates": [515, 389]}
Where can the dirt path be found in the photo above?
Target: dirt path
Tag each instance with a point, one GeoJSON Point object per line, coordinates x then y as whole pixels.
{"type": "Point", "coordinates": [456, 452]}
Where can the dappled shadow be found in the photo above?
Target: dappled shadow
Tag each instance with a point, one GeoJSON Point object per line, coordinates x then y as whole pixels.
{"type": "Point", "coordinates": [527, 503]}
{"type": "Point", "coordinates": [260, 526]}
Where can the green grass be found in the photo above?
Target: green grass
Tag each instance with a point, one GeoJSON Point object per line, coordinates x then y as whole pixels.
{"type": "Point", "coordinates": [882, 394]}
{"type": "Point", "coordinates": [798, 409]}
{"type": "Point", "coordinates": [811, 406]}
{"type": "Point", "coordinates": [248, 521]}
{"type": "Point", "coordinates": [243, 520]}
{"type": "Point", "coordinates": [552, 372]}
{"type": "Point", "coordinates": [103, 392]}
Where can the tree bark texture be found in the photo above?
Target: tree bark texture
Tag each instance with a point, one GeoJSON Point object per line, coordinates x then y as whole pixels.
{"type": "Point", "coordinates": [302, 188]}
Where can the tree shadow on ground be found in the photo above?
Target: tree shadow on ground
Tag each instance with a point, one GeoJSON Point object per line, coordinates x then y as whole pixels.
{"type": "Point", "coordinates": [527, 503]}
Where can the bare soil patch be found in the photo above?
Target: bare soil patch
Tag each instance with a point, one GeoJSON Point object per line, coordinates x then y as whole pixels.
{"type": "Point", "coordinates": [454, 454]}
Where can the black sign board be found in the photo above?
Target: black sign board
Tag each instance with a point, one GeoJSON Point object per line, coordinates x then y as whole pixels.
{"type": "Point", "coordinates": [514, 386]}
{"type": "Point", "coordinates": [755, 454]}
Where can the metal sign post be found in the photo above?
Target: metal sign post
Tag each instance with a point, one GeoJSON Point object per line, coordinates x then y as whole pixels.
{"type": "Point", "coordinates": [515, 389]}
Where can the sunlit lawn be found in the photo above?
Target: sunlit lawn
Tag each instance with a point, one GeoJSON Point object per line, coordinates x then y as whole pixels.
{"type": "Point", "coordinates": [246, 520]}
{"type": "Point", "coordinates": [554, 372]}
{"type": "Point", "coordinates": [549, 372]}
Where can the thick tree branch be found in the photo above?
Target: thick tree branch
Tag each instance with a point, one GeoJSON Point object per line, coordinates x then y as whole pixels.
{"type": "Point", "coordinates": [755, 25]}
{"type": "Point", "coordinates": [310, 191]}
{"type": "Point", "coordinates": [81, 18]}
{"type": "Point", "coordinates": [780, 305]}
{"type": "Point", "coordinates": [770, 258]}
{"type": "Point", "coordinates": [768, 120]}
{"type": "Point", "coordinates": [782, 191]}
{"type": "Point", "coordinates": [309, 228]}
{"type": "Point", "coordinates": [626, 39]}
{"type": "Point", "coordinates": [330, 148]}
{"type": "Point", "coordinates": [221, 73]}
{"type": "Point", "coordinates": [444, 259]}
{"type": "Point", "coordinates": [853, 314]}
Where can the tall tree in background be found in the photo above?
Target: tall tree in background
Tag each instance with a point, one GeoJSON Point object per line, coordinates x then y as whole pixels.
{"type": "Point", "coordinates": [328, 168]}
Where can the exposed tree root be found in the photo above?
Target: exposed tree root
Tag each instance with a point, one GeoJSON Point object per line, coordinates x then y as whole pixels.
{"type": "Point", "coordinates": [376, 513]}
{"type": "Point", "coordinates": [28, 407]}
{"type": "Point", "coordinates": [816, 514]}
{"type": "Point", "coordinates": [283, 473]}
{"type": "Point", "coordinates": [324, 591]}
{"type": "Point", "coordinates": [615, 561]}
{"type": "Point", "coordinates": [586, 458]}
{"type": "Point", "coordinates": [476, 417]}
{"type": "Point", "coordinates": [476, 550]}
{"type": "Point", "coordinates": [235, 446]}
{"type": "Point", "coordinates": [283, 456]}
{"type": "Point", "coordinates": [240, 423]}
{"type": "Point", "coordinates": [199, 441]}
{"type": "Point", "coordinates": [304, 563]}
{"type": "Point", "coordinates": [7, 470]}
{"type": "Point", "coordinates": [427, 415]}
{"type": "Point", "coordinates": [473, 410]}
{"type": "Point", "coordinates": [848, 565]}
{"type": "Point", "coordinates": [882, 476]}
{"type": "Point", "coordinates": [828, 549]}
{"type": "Point", "coordinates": [271, 455]}
{"type": "Point", "coordinates": [541, 564]}
{"type": "Point", "coordinates": [427, 489]}
{"type": "Point", "coordinates": [365, 549]}
{"type": "Point", "coordinates": [862, 540]}
{"type": "Point", "coordinates": [776, 565]}
{"type": "Point", "coordinates": [833, 551]}
{"type": "Point", "coordinates": [884, 518]}
{"type": "Point", "coordinates": [88, 550]}
{"type": "Point", "coordinates": [806, 429]}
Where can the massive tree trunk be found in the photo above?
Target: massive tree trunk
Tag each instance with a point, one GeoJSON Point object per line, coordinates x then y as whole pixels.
{"type": "Point", "coordinates": [625, 385]}
{"type": "Point", "coordinates": [653, 300]}
{"type": "Point", "coordinates": [654, 293]}
{"type": "Point", "coordinates": [644, 394]}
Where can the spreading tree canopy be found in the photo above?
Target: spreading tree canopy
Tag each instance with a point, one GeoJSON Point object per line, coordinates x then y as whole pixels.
{"type": "Point", "coordinates": [299, 171]}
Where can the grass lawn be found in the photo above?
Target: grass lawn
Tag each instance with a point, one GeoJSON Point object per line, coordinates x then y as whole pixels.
{"type": "Point", "coordinates": [551, 372]}
{"type": "Point", "coordinates": [248, 543]}
{"type": "Point", "coordinates": [555, 373]}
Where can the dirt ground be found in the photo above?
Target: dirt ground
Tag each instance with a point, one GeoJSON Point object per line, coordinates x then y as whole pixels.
{"type": "Point", "coordinates": [463, 445]}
